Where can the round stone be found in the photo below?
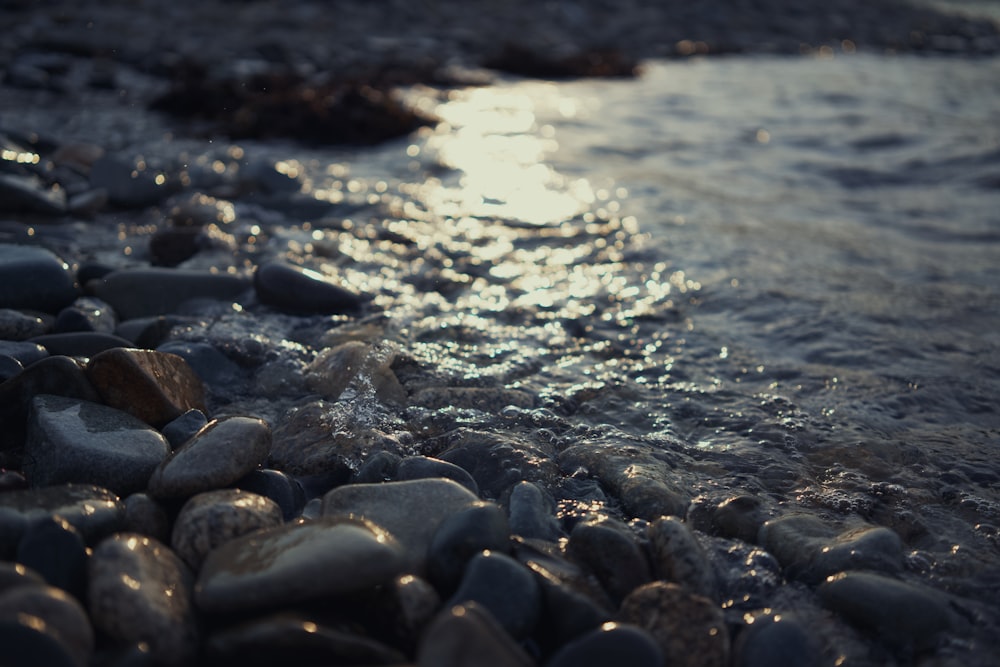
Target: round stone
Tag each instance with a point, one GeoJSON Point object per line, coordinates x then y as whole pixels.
{"type": "Point", "coordinates": [298, 290]}
{"type": "Point", "coordinates": [610, 550]}
{"type": "Point", "coordinates": [678, 556]}
{"type": "Point", "coordinates": [34, 278]}
{"type": "Point", "coordinates": [210, 519]}
{"type": "Point", "coordinates": [611, 644]}
{"type": "Point", "coordinates": [425, 467]}
{"type": "Point", "coordinates": [503, 587]}
{"type": "Point", "coordinates": [461, 536]}
{"type": "Point", "coordinates": [54, 549]}
{"type": "Point", "coordinates": [467, 634]}
{"type": "Point", "coordinates": [64, 617]}
{"type": "Point", "coordinates": [532, 513]}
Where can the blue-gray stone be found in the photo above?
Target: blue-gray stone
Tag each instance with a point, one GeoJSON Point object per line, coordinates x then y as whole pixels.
{"type": "Point", "coordinates": [532, 513]}
{"type": "Point", "coordinates": [464, 534]}
{"type": "Point", "coordinates": [80, 343]}
{"type": "Point", "coordinates": [298, 290]}
{"type": "Point", "coordinates": [611, 551]}
{"type": "Point", "coordinates": [54, 549]}
{"type": "Point", "coordinates": [146, 292]}
{"type": "Point", "coordinates": [15, 325]}
{"type": "Point", "coordinates": [212, 366]}
{"type": "Point", "coordinates": [25, 352]}
{"type": "Point", "coordinates": [277, 486]}
{"type": "Point", "coordinates": [86, 314]}
{"type": "Point", "coordinates": [63, 616]}
{"type": "Point", "coordinates": [775, 641]}
{"type": "Point", "coordinates": [211, 519]}
{"type": "Point", "coordinates": [612, 644]}
{"type": "Point", "coordinates": [183, 428]}
{"type": "Point", "coordinates": [27, 194]}
{"type": "Point", "coordinates": [505, 588]}
{"type": "Point", "coordinates": [425, 467]}
{"type": "Point", "coordinates": [35, 279]}
{"type": "Point", "coordinates": [70, 440]}
{"type": "Point", "coordinates": [467, 634]}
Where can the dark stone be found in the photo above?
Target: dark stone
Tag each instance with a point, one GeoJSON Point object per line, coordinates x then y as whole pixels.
{"type": "Point", "coordinates": [211, 519]}
{"type": "Point", "coordinates": [180, 430]}
{"type": "Point", "coordinates": [9, 367]}
{"type": "Point", "coordinates": [532, 513]}
{"type": "Point", "coordinates": [277, 486]}
{"type": "Point", "coordinates": [612, 552]}
{"type": "Point", "coordinates": [173, 245]}
{"type": "Point", "coordinates": [467, 634]}
{"type": "Point", "coordinates": [26, 352]}
{"type": "Point", "coordinates": [612, 644]}
{"type": "Point", "coordinates": [212, 366]}
{"type": "Point", "coordinates": [80, 344]}
{"type": "Point", "coordinates": [505, 588]}
{"type": "Point", "coordinates": [145, 516]}
{"type": "Point", "coordinates": [31, 645]}
{"type": "Point", "coordinates": [54, 549]}
{"type": "Point", "coordinates": [34, 278]}
{"type": "Point", "coordinates": [380, 467]}
{"type": "Point", "coordinates": [128, 184]}
{"type": "Point", "coordinates": [18, 326]}
{"type": "Point", "coordinates": [524, 61]}
{"type": "Point", "coordinates": [498, 462]}
{"type": "Point", "coordinates": [159, 291]}
{"type": "Point", "coordinates": [774, 641]}
{"type": "Point", "coordinates": [424, 467]}
{"type": "Point", "coordinates": [461, 536]}
{"type": "Point", "coordinates": [86, 314]}
{"type": "Point", "coordinates": [27, 194]}
{"type": "Point", "coordinates": [297, 290]}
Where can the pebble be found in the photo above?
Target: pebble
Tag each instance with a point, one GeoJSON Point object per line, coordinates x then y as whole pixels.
{"type": "Point", "coordinates": [80, 343]}
{"type": "Point", "coordinates": [183, 428]}
{"type": "Point", "coordinates": [405, 607]}
{"type": "Point", "coordinates": [498, 462]}
{"type": "Point", "coordinates": [292, 639]}
{"type": "Point", "coordinates": [775, 640]}
{"type": "Point", "coordinates": [86, 314]}
{"type": "Point", "coordinates": [532, 513]}
{"type": "Point", "coordinates": [739, 518]}
{"type": "Point", "coordinates": [128, 183]}
{"type": "Point", "coordinates": [633, 473]}
{"type": "Point", "coordinates": [690, 629]}
{"type": "Point", "coordinates": [63, 616]}
{"type": "Point", "coordinates": [93, 511]}
{"type": "Point", "coordinates": [147, 517]}
{"type": "Point", "coordinates": [467, 634]}
{"type": "Point", "coordinates": [55, 550]}
{"type": "Point", "coordinates": [218, 455]}
{"type": "Point", "coordinates": [25, 352]}
{"type": "Point", "coordinates": [28, 642]}
{"type": "Point", "coordinates": [297, 562]}
{"type": "Point", "coordinates": [810, 549]}
{"type": "Point", "coordinates": [678, 557]}
{"type": "Point", "coordinates": [302, 291]}
{"type": "Point", "coordinates": [335, 368]}
{"type": "Point", "coordinates": [28, 194]}
{"type": "Point", "coordinates": [611, 551]}
{"type": "Point", "coordinates": [611, 644]}
{"type": "Point", "coordinates": [505, 588]}
{"type": "Point", "coordinates": [34, 278]}
{"type": "Point", "coordinates": [907, 616]}
{"type": "Point", "coordinates": [379, 467]}
{"type": "Point", "coordinates": [18, 326]}
{"type": "Point", "coordinates": [13, 575]}
{"type": "Point", "coordinates": [425, 467]}
{"type": "Point", "coordinates": [70, 440]}
{"type": "Point", "coordinates": [213, 367]}
{"type": "Point", "coordinates": [211, 519]}
{"type": "Point", "coordinates": [411, 511]}
{"type": "Point", "coordinates": [147, 292]}
{"type": "Point", "coordinates": [9, 367]}
{"type": "Point", "coordinates": [462, 535]}
{"type": "Point", "coordinates": [153, 386]}
{"type": "Point", "coordinates": [284, 491]}
{"type": "Point", "coordinates": [140, 591]}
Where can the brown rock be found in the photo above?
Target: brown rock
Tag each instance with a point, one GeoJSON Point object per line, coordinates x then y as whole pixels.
{"type": "Point", "coordinates": [154, 386]}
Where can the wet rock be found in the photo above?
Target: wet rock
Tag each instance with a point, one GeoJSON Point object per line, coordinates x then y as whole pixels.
{"type": "Point", "coordinates": [317, 438]}
{"type": "Point", "coordinates": [523, 60]}
{"type": "Point", "coordinates": [60, 376]}
{"type": "Point", "coordinates": [411, 511]}
{"type": "Point", "coordinates": [678, 557]}
{"type": "Point", "coordinates": [34, 278]}
{"type": "Point", "coordinates": [28, 642]}
{"type": "Point", "coordinates": [907, 616]}
{"type": "Point", "coordinates": [612, 552]}
{"type": "Point", "coordinates": [810, 549]}
{"type": "Point", "coordinates": [55, 550]}
{"type": "Point", "coordinates": [63, 617]}
{"type": "Point", "coordinates": [18, 326]}
{"type": "Point", "coordinates": [80, 344]}
{"type": "Point", "coordinates": [488, 399]}
{"type": "Point", "coordinates": [334, 368]}
{"type": "Point", "coordinates": [13, 575]}
{"type": "Point", "coordinates": [532, 513]}
{"type": "Point", "coordinates": [140, 591]}
{"type": "Point", "coordinates": [326, 557]}
{"type": "Point", "coordinates": [28, 194]}
{"type": "Point", "coordinates": [463, 535]}
{"type": "Point", "coordinates": [86, 314]}
{"type": "Point", "coordinates": [25, 352]}
{"type": "Point", "coordinates": [505, 588]}
{"type": "Point", "coordinates": [425, 467]}
{"type": "Point", "coordinates": [153, 386]}
{"type": "Point", "coordinates": [129, 183]}
{"type": "Point", "coordinates": [93, 511]}
{"type": "Point", "coordinates": [739, 518]}
{"type": "Point", "coordinates": [380, 467]}
{"type": "Point", "coordinates": [218, 455]}
{"type": "Point", "coordinates": [158, 291]}
{"type": "Point", "coordinates": [277, 486]}
{"type": "Point", "coordinates": [172, 245]}
{"type": "Point", "coordinates": [498, 462]}
{"type": "Point", "coordinates": [211, 519]}
{"type": "Point", "coordinates": [88, 204]}
{"type": "Point", "coordinates": [747, 578]}
{"type": "Point", "coordinates": [211, 365]}
{"type": "Point", "coordinates": [302, 291]}
{"type": "Point", "coordinates": [288, 638]}
{"type": "Point", "coordinates": [632, 472]}
{"type": "Point", "coordinates": [9, 367]}
{"type": "Point", "coordinates": [690, 629]}
{"type": "Point", "coordinates": [775, 640]}
{"type": "Point", "coordinates": [611, 644]}
{"type": "Point", "coordinates": [183, 428]}
{"type": "Point", "coordinates": [403, 608]}
{"type": "Point", "coordinates": [147, 517]}
{"type": "Point", "coordinates": [467, 634]}
{"type": "Point", "coordinates": [77, 441]}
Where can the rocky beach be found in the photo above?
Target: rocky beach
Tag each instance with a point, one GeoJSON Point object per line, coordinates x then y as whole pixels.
{"type": "Point", "coordinates": [274, 389]}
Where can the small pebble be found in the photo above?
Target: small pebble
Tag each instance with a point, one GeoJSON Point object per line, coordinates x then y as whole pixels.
{"type": "Point", "coordinates": [462, 535]}
{"type": "Point", "coordinates": [183, 428]}
{"type": "Point", "coordinates": [147, 292]}
{"type": "Point", "coordinates": [286, 492]}
{"type": "Point", "coordinates": [64, 617]}
{"type": "Point", "coordinates": [18, 326]}
{"type": "Point", "coordinates": [298, 290]}
{"type": "Point", "coordinates": [772, 641]}
{"type": "Point", "coordinates": [611, 644]}
{"type": "Point", "coordinates": [505, 588]}
{"type": "Point", "coordinates": [25, 352]}
{"type": "Point", "coordinates": [34, 278]}
{"type": "Point", "coordinates": [467, 634]}
{"type": "Point", "coordinates": [532, 513]}
{"type": "Point", "coordinates": [425, 467]}
{"type": "Point", "coordinates": [80, 343]}
{"type": "Point", "coordinates": [211, 519]}
{"type": "Point", "coordinates": [55, 550]}
{"type": "Point", "coordinates": [147, 517]}
{"type": "Point", "coordinates": [678, 557]}
{"type": "Point", "coordinates": [610, 550]}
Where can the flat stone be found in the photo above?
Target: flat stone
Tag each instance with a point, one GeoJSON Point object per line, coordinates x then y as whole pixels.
{"type": "Point", "coordinates": [810, 549]}
{"type": "Point", "coordinates": [293, 639]}
{"type": "Point", "coordinates": [159, 291]}
{"type": "Point", "coordinates": [611, 644]}
{"type": "Point", "coordinates": [211, 519]}
{"type": "Point", "coordinates": [503, 587]}
{"type": "Point", "coordinates": [678, 557]}
{"type": "Point", "coordinates": [153, 386]}
{"type": "Point", "coordinates": [13, 575]}
{"type": "Point", "coordinates": [64, 617]}
{"type": "Point", "coordinates": [140, 591]}
{"type": "Point", "coordinates": [467, 634]}
{"type": "Point", "coordinates": [411, 511]}
{"type": "Point", "coordinates": [34, 278]}
{"type": "Point", "coordinates": [78, 441]}
{"type": "Point", "coordinates": [632, 473]}
{"type": "Point", "coordinates": [690, 629]}
{"type": "Point", "coordinates": [92, 510]}
{"type": "Point", "coordinates": [218, 455]}
{"type": "Point", "coordinates": [302, 291]}
{"type": "Point", "coordinates": [905, 615]}
{"type": "Point", "coordinates": [296, 563]}
{"type": "Point", "coordinates": [611, 551]}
